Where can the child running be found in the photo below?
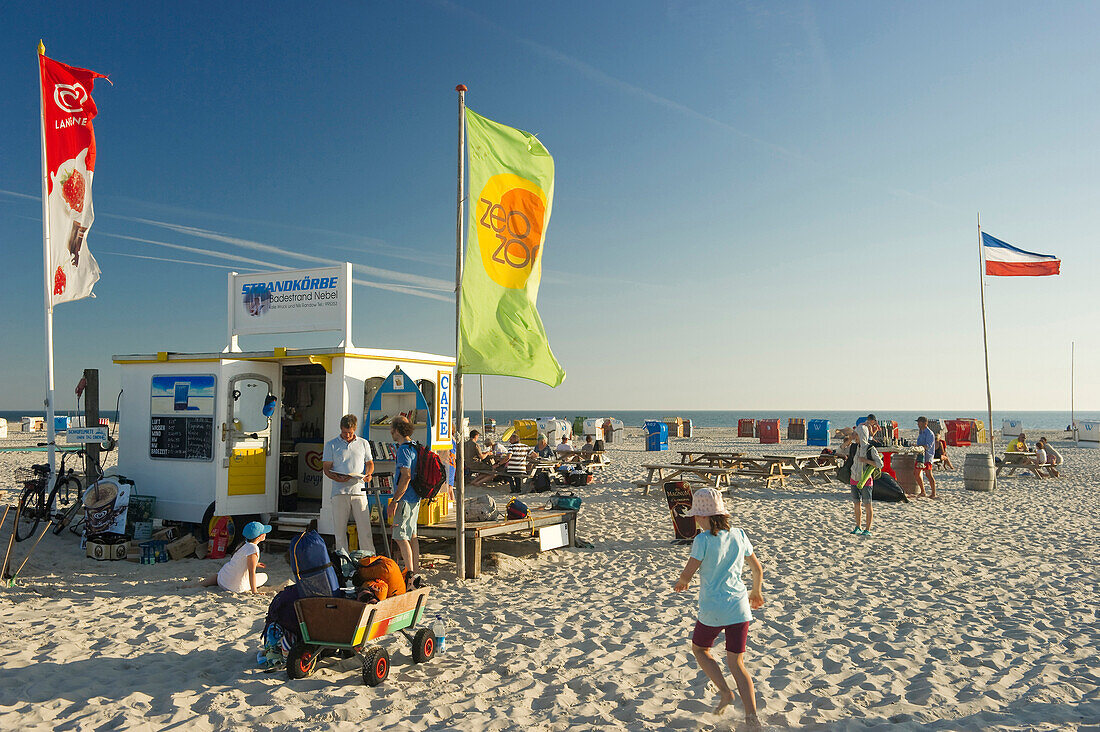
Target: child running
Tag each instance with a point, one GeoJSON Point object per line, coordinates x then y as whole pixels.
{"type": "Point", "coordinates": [239, 573]}
{"type": "Point", "coordinates": [719, 554]}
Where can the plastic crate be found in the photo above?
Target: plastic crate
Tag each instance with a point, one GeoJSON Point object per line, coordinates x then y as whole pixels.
{"type": "Point", "coordinates": [433, 511]}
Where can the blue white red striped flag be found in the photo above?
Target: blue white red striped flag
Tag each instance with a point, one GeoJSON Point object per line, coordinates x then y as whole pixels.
{"type": "Point", "coordinates": [1005, 260]}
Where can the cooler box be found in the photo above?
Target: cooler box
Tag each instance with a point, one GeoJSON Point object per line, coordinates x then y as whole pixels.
{"type": "Point", "coordinates": [1088, 433]}
{"type": "Point", "coordinates": [768, 429]}
{"type": "Point", "coordinates": [958, 433]}
{"type": "Point", "coordinates": [656, 436]}
{"type": "Point", "coordinates": [746, 428]}
{"type": "Point", "coordinates": [796, 428]}
{"type": "Point", "coordinates": [1011, 427]}
{"type": "Point", "coordinates": [817, 432]}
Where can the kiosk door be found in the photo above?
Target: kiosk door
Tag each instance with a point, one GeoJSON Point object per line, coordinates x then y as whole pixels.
{"type": "Point", "coordinates": [248, 481]}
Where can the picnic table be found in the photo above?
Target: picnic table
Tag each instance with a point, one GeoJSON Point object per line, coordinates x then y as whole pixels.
{"type": "Point", "coordinates": [1013, 461]}
{"type": "Point", "coordinates": [709, 458]}
{"type": "Point", "coordinates": [713, 476]}
{"type": "Point", "coordinates": [554, 528]}
{"type": "Point", "coordinates": [804, 466]}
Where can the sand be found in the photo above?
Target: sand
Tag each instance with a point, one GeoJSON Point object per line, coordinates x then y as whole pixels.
{"type": "Point", "coordinates": [975, 611]}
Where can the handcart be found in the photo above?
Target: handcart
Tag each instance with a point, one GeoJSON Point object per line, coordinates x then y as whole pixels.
{"type": "Point", "coordinates": [330, 625]}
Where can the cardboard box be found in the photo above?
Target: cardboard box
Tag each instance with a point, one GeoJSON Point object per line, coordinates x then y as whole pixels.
{"type": "Point", "coordinates": [182, 548]}
{"type": "Point", "coordinates": [166, 534]}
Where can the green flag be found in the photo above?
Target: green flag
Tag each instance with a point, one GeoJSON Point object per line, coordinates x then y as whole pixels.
{"type": "Point", "coordinates": [511, 192]}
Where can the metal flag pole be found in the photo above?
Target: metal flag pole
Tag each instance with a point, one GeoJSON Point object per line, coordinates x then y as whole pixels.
{"type": "Point", "coordinates": [985, 345]}
{"type": "Point", "coordinates": [1072, 418]}
{"type": "Point", "coordinates": [47, 264]}
{"type": "Point", "coordinates": [460, 471]}
{"type": "Point", "coordinates": [482, 394]}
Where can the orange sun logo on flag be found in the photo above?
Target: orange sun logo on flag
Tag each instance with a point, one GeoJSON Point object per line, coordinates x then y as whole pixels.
{"type": "Point", "coordinates": [511, 213]}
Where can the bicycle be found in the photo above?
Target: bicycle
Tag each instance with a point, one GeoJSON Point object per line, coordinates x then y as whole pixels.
{"type": "Point", "coordinates": [36, 506]}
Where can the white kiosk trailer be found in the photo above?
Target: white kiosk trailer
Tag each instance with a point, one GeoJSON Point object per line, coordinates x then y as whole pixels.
{"type": "Point", "coordinates": [241, 433]}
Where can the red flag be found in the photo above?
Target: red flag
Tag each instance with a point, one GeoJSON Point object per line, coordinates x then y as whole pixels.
{"type": "Point", "coordinates": [67, 113]}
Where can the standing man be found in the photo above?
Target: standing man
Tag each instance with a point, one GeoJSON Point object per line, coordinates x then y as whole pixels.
{"type": "Point", "coordinates": [404, 507]}
{"type": "Point", "coordinates": [347, 461]}
{"type": "Point", "coordinates": [517, 463]}
{"type": "Point", "coordinates": [927, 440]}
{"type": "Point", "coordinates": [864, 432]}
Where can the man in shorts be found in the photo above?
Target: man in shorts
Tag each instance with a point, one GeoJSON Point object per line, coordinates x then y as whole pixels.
{"type": "Point", "coordinates": [864, 432]}
{"type": "Point", "coordinates": [404, 507]}
{"type": "Point", "coordinates": [927, 440]}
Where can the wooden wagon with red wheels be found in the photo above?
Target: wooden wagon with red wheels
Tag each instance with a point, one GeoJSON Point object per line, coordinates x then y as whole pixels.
{"type": "Point", "coordinates": [332, 626]}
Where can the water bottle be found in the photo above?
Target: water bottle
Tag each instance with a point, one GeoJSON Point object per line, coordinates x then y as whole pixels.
{"type": "Point", "coordinates": [440, 632]}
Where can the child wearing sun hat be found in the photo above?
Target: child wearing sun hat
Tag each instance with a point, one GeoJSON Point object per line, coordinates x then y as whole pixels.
{"type": "Point", "coordinates": [719, 554]}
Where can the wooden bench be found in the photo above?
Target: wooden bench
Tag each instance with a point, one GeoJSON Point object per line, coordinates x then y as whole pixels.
{"type": "Point", "coordinates": [666, 472]}
{"type": "Point", "coordinates": [553, 528]}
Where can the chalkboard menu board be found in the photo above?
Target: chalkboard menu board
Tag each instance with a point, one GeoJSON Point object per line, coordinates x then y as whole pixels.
{"type": "Point", "coordinates": [181, 438]}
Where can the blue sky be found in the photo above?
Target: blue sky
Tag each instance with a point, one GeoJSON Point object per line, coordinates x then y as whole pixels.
{"type": "Point", "coordinates": [758, 205]}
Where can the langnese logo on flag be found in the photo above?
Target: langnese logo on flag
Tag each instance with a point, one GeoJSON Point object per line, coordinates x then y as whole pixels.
{"type": "Point", "coordinates": [67, 113]}
{"type": "Point", "coordinates": [1005, 260]}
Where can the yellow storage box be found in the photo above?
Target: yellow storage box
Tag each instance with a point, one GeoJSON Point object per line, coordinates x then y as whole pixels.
{"type": "Point", "coordinates": [435, 510]}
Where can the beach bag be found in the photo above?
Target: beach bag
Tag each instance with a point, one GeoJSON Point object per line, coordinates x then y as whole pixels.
{"type": "Point", "coordinates": [481, 508]}
{"type": "Point", "coordinates": [579, 478]}
{"type": "Point", "coordinates": [312, 567]}
{"type": "Point", "coordinates": [518, 510]}
{"type": "Point", "coordinates": [887, 489]}
{"type": "Point", "coordinates": [541, 482]}
{"type": "Point", "coordinates": [430, 473]}
{"type": "Point", "coordinates": [372, 569]}
{"type": "Point", "coordinates": [565, 501]}
{"type": "Point", "coordinates": [844, 472]}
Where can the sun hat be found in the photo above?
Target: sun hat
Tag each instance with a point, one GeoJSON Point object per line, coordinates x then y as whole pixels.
{"type": "Point", "coordinates": [707, 502]}
{"type": "Point", "coordinates": [255, 528]}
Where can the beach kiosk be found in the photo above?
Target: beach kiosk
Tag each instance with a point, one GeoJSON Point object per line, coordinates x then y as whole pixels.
{"type": "Point", "coordinates": [217, 434]}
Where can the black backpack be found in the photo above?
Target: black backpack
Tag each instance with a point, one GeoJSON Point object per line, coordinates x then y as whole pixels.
{"type": "Point", "coordinates": [430, 474]}
{"type": "Point", "coordinates": [844, 472]}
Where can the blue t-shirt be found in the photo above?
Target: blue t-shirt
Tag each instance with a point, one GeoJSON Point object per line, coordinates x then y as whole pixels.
{"type": "Point", "coordinates": [723, 597]}
{"type": "Point", "coordinates": [927, 440]}
{"type": "Point", "coordinates": [406, 458]}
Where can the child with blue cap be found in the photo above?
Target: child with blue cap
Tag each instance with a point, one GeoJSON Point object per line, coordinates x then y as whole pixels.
{"type": "Point", "coordinates": [239, 573]}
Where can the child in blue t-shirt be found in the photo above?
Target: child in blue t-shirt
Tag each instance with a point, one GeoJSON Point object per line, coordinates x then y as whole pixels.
{"type": "Point", "coordinates": [719, 554]}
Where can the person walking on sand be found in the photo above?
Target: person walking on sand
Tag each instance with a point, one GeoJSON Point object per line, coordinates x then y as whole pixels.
{"type": "Point", "coordinates": [347, 461]}
{"type": "Point", "coordinates": [403, 509]}
{"type": "Point", "coordinates": [861, 493]}
{"type": "Point", "coordinates": [719, 554]}
{"type": "Point", "coordinates": [927, 440]}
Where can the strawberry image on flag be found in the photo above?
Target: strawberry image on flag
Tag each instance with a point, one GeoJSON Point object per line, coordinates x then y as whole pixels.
{"type": "Point", "coordinates": [69, 140]}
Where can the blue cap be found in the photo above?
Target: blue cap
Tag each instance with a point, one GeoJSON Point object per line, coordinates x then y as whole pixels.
{"type": "Point", "coordinates": [254, 529]}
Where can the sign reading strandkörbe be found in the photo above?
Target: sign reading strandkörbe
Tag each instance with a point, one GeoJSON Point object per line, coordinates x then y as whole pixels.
{"type": "Point", "coordinates": [291, 301]}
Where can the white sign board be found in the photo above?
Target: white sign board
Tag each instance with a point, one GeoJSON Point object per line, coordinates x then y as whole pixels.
{"type": "Point", "coordinates": [552, 537]}
{"type": "Point", "coordinates": [85, 434]}
{"type": "Point", "coordinates": [291, 301]}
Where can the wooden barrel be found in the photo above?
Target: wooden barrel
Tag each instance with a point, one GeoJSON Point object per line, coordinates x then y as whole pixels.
{"type": "Point", "coordinates": [978, 472]}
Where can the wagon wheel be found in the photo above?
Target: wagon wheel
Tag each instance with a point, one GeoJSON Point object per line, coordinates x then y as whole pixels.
{"type": "Point", "coordinates": [423, 645]}
{"type": "Point", "coordinates": [376, 666]}
{"type": "Point", "coordinates": [301, 661]}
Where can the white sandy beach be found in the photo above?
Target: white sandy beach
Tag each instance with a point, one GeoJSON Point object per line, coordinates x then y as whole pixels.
{"type": "Point", "coordinates": [975, 611]}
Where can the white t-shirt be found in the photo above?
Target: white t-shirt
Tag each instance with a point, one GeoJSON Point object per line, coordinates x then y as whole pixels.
{"type": "Point", "coordinates": [233, 575]}
{"type": "Point", "coordinates": [564, 447]}
{"type": "Point", "coordinates": [348, 458]}
{"type": "Point", "coordinates": [1040, 456]}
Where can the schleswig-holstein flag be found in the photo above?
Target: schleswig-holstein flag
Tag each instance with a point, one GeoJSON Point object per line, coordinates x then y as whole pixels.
{"type": "Point", "coordinates": [511, 192]}
{"type": "Point", "coordinates": [1005, 260]}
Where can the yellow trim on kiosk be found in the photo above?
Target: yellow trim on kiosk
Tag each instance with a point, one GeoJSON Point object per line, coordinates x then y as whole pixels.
{"type": "Point", "coordinates": [163, 356]}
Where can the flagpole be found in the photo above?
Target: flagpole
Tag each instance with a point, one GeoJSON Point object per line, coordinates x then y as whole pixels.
{"type": "Point", "coordinates": [1072, 419]}
{"type": "Point", "coordinates": [481, 393]}
{"type": "Point", "coordinates": [985, 343]}
{"type": "Point", "coordinates": [460, 471]}
{"type": "Point", "coordinates": [47, 264]}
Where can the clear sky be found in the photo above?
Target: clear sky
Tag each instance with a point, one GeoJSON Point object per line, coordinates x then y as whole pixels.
{"type": "Point", "coordinates": [758, 205]}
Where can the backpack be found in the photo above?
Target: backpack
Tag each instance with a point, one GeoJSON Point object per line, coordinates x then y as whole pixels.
{"type": "Point", "coordinates": [430, 473]}
{"type": "Point", "coordinates": [579, 478]}
{"type": "Point", "coordinates": [541, 482]}
{"type": "Point", "coordinates": [481, 508]}
{"type": "Point", "coordinates": [844, 472]}
{"type": "Point", "coordinates": [312, 567]}
{"type": "Point", "coordinates": [518, 509]}
{"type": "Point", "coordinates": [383, 569]}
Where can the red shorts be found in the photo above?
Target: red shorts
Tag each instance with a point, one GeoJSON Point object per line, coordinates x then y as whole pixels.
{"type": "Point", "coordinates": [737, 636]}
{"type": "Point", "coordinates": [922, 466]}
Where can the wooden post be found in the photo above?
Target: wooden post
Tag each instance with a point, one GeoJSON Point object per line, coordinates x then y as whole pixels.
{"type": "Point", "coordinates": [91, 419]}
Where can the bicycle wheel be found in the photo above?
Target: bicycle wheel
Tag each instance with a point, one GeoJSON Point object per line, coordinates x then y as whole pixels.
{"type": "Point", "coordinates": [67, 488]}
{"type": "Point", "coordinates": [30, 509]}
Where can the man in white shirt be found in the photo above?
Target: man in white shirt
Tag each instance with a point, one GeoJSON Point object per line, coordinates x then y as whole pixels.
{"type": "Point", "coordinates": [347, 461]}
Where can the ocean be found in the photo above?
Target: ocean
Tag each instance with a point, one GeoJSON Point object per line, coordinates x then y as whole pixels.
{"type": "Point", "coordinates": [1057, 420]}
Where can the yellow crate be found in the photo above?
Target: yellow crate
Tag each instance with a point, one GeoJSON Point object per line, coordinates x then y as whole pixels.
{"type": "Point", "coordinates": [434, 511]}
